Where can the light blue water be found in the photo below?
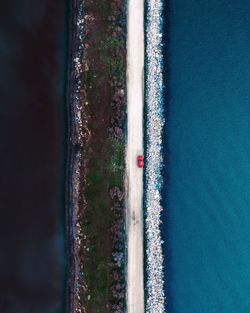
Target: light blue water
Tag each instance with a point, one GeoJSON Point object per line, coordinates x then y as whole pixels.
{"type": "Point", "coordinates": [207, 156]}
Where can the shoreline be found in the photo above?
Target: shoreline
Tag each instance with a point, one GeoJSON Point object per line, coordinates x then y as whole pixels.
{"type": "Point", "coordinates": [77, 138]}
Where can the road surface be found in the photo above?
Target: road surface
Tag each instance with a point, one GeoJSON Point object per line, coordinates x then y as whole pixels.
{"type": "Point", "coordinates": [135, 102]}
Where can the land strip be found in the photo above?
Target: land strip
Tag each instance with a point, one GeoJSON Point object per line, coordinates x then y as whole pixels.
{"type": "Point", "coordinates": [97, 160]}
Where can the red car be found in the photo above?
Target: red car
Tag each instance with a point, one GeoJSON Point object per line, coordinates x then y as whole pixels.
{"type": "Point", "coordinates": [140, 162]}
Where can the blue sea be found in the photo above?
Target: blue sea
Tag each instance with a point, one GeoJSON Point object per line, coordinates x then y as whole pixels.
{"type": "Point", "coordinates": [206, 196]}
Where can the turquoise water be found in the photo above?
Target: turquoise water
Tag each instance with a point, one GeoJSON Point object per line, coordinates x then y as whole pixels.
{"type": "Point", "coordinates": [206, 220]}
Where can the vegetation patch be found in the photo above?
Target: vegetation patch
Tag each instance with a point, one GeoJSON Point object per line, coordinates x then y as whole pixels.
{"type": "Point", "coordinates": [103, 219]}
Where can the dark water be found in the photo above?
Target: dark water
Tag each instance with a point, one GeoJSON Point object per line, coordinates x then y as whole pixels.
{"type": "Point", "coordinates": [32, 155]}
{"type": "Point", "coordinates": [207, 155]}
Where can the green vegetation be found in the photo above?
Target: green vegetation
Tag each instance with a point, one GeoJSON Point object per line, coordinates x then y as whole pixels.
{"type": "Point", "coordinates": [88, 79]}
{"type": "Point", "coordinates": [105, 173]}
{"type": "Point", "coordinates": [117, 161]}
{"type": "Point", "coordinates": [105, 167]}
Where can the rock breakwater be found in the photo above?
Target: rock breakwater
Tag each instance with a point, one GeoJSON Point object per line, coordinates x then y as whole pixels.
{"type": "Point", "coordinates": [155, 301]}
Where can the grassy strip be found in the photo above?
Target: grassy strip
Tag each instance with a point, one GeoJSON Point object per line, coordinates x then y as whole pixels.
{"type": "Point", "coordinates": [104, 152]}
{"type": "Point", "coordinates": [105, 173]}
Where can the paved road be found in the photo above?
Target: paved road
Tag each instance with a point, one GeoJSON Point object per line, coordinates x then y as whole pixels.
{"type": "Point", "coordinates": [135, 93]}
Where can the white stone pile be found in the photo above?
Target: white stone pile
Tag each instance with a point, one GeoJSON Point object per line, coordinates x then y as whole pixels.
{"type": "Point", "coordinates": [155, 301]}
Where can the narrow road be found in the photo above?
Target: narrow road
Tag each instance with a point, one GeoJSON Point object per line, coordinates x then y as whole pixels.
{"type": "Point", "coordinates": [135, 100]}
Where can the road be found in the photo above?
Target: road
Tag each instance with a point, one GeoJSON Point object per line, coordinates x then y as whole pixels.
{"type": "Point", "coordinates": [135, 102]}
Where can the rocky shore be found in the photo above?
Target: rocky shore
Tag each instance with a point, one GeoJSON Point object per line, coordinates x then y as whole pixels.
{"type": "Point", "coordinates": [77, 140]}
{"type": "Point", "coordinates": [96, 102]}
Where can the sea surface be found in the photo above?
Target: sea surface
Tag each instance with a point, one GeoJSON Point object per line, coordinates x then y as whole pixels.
{"type": "Point", "coordinates": [33, 47]}
{"type": "Point", "coordinates": [206, 196]}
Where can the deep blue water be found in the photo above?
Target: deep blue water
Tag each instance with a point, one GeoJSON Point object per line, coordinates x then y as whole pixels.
{"type": "Point", "coordinates": [206, 194]}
